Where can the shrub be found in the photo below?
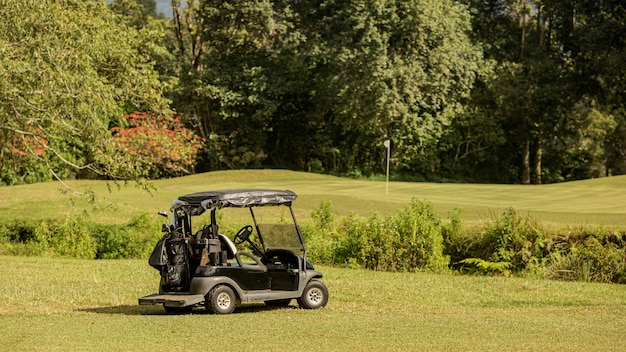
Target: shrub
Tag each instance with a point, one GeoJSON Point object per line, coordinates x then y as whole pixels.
{"type": "Point", "coordinates": [323, 216]}
{"type": "Point", "coordinates": [409, 241]}
{"type": "Point", "coordinates": [71, 239]}
{"type": "Point", "coordinates": [419, 231]}
{"type": "Point", "coordinates": [510, 244]}
{"type": "Point", "coordinates": [133, 240]}
{"type": "Point", "coordinates": [321, 236]}
{"type": "Point", "coordinates": [516, 239]}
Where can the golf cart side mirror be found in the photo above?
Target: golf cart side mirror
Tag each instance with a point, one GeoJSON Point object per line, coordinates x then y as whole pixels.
{"type": "Point", "coordinates": [163, 213]}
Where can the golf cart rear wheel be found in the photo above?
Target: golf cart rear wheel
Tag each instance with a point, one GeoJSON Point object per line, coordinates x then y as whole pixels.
{"type": "Point", "coordinates": [315, 295]}
{"type": "Point", "coordinates": [220, 300]}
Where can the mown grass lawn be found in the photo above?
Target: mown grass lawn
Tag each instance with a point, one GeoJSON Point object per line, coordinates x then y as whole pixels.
{"type": "Point", "coordinates": [597, 202]}
{"type": "Point", "coordinates": [51, 304]}
{"type": "Point", "coordinates": [56, 304]}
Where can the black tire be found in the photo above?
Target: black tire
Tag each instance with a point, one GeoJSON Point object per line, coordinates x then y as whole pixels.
{"type": "Point", "coordinates": [278, 302]}
{"type": "Point", "coordinates": [220, 300]}
{"type": "Point", "coordinates": [314, 296]}
{"type": "Point", "coordinates": [178, 310]}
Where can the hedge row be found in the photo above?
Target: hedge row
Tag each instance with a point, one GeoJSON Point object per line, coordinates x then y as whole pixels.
{"type": "Point", "coordinates": [79, 239]}
{"type": "Point", "coordinates": [415, 239]}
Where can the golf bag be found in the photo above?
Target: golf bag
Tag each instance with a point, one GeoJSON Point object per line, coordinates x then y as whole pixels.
{"type": "Point", "coordinates": [175, 274]}
{"type": "Point", "coordinates": [170, 258]}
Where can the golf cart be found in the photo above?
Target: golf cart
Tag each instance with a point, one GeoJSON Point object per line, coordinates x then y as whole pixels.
{"type": "Point", "coordinates": [207, 267]}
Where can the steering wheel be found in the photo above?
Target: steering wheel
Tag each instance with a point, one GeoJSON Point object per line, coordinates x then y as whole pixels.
{"type": "Point", "coordinates": [243, 234]}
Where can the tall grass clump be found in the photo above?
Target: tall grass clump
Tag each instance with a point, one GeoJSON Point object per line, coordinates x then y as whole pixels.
{"type": "Point", "coordinates": [589, 257]}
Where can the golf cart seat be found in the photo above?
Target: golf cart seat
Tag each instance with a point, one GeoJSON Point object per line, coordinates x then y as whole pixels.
{"type": "Point", "coordinates": [231, 249]}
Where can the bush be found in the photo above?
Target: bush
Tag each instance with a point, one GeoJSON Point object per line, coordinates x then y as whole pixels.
{"type": "Point", "coordinates": [510, 244]}
{"type": "Point", "coordinates": [72, 239]}
{"type": "Point", "coordinates": [321, 236]}
{"type": "Point", "coordinates": [413, 240]}
{"type": "Point", "coordinates": [409, 241]}
{"type": "Point", "coordinates": [133, 240]}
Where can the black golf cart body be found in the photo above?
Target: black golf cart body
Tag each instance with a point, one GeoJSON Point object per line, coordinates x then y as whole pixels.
{"type": "Point", "coordinates": [207, 267]}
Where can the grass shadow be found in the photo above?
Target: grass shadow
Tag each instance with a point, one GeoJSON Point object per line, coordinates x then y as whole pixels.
{"type": "Point", "coordinates": [126, 310]}
{"type": "Point", "coordinates": [158, 309]}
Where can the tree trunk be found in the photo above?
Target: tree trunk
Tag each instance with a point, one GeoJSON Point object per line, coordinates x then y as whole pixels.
{"type": "Point", "coordinates": [538, 155]}
{"type": "Point", "coordinates": [624, 161]}
{"type": "Point", "coordinates": [526, 162]}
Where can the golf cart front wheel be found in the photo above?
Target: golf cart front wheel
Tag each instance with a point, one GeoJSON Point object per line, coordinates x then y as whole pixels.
{"type": "Point", "coordinates": [220, 300]}
{"type": "Point", "coordinates": [315, 295]}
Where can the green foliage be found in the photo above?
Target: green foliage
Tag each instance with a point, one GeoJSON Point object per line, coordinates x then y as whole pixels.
{"type": "Point", "coordinates": [515, 239]}
{"type": "Point", "coordinates": [498, 91]}
{"type": "Point", "coordinates": [395, 241]}
{"type": "Point", "coordinates": [458, 243]}
{"type": "Point", "coordinates": [321, 235]}
{"type": "Point", "coordinates": [516, 245]}
{"type": "Point", "coordinates": [487, 267]}
{"type": "Point", "coordinates": [133, 240]}
{"type": "Point", "coordinates": [317, 85]}
{"type": "Point", "coordinates": [67, 70]}
{"type": "Point", "coordinates": [591, 260]}
{"type": "Point", "coordinates": [419, 227]}
{"type": "Point", "coordinates": [510, 244]}
{"type": "Point", "coordinates": [323, 216]}
{"type": "Point", "coordinates": [409, 241]}
{"type": "Point", "coordinates": [78, 239]}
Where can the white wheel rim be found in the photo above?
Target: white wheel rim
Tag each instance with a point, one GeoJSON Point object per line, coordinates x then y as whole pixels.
{"type": "Point", "coordinates": [223, 300]}
{"type": "Point", "coordinates": [315, 296]}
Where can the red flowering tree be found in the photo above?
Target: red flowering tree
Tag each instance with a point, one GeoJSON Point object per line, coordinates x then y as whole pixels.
{"type": "Point", "coordinates": [160, 145]}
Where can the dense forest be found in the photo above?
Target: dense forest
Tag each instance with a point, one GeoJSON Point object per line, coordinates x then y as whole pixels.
{"type": "Point", "coordinates": [503, 91]}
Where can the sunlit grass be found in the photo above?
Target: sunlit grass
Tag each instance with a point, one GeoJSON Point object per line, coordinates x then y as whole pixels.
{"type": "Point", "coordinates": [66, 304]}
{"type": "Point", "coordinates": [598, 202]}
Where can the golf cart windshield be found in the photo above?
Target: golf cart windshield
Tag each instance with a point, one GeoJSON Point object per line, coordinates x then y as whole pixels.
{"type": "Point", "coordinates": [280, 236]}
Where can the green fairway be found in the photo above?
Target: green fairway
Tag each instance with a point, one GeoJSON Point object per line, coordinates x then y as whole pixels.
{"type": "Point", "coordinates": [598, 202]}
{"type": "Point", "coordinates": [85, 305]}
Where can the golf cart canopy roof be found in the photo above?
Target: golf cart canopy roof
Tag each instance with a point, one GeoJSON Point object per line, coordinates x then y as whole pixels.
{"type": "Point", "coordinates": [236, 198]}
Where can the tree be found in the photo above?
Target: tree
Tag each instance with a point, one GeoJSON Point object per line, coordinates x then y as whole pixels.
{"type": "Point", "coordinates": [531, 87]}
{"type": "Point", "coordinates": [319, 85]}
{"type": "Point", "coordinates": [68, 71]}
{"type": "Point", "coordinates": [388, 69]}
{"type": "Point", "coordinates": [226, 50]}
{"type": "Point", "coordinates": [558, 85]}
